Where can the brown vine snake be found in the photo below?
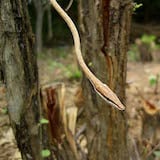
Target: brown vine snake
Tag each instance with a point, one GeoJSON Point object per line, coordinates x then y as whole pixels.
{"type": "Point", "coordinates": [102, 89]}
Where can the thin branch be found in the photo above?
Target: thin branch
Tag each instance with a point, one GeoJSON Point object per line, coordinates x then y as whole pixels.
{"type": "Point", "coordinates": [81, 130]}
{"type": "Point", "coordinates": [69, 5]}
{"type": "Point", "coordinates": [155, 148]}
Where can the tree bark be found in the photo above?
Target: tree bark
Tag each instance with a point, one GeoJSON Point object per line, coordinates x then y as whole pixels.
{"type": "Point", "coordinates": [53, 96]}
{"type": "Point", "coordinates": [49, 14]}
{"type": "Point", "coordinates": [105, 26]}
{"type": "Point", "coordinates": [144, 51]}
{"type": "Point", "coordinates": [39, 25]}
{"type": "Point", "coordinates": [18, 65]}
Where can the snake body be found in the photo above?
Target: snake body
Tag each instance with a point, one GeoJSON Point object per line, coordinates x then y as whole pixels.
{"type": "Point", "coordinates": [102, 89]}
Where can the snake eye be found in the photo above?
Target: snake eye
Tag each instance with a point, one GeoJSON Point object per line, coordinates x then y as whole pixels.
{"type": "Point", "coordinates": [109, 101]}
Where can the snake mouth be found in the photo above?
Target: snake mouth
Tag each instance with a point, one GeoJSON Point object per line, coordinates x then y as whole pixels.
{"type": "Point", "coordinates": [112, 103]}
{"type": "Point", "coordinates": [109, 101]}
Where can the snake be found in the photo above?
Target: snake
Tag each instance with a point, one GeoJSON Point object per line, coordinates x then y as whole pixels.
{"type": "Point", "coordinates": [100, 88]}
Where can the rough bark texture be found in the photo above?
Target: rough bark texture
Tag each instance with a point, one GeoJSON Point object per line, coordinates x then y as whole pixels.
{"type": "Point", "coordinates": [19, 68]}
{"type": "Point", "coordinates": [105, 26]}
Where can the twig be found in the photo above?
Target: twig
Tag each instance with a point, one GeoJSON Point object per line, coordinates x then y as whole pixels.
{"type": "Point", "coordinates": [136, 150]}
{"type": "Point", "coordinates": [81, 130]}
{"type": "Point", "coordinates": [156, 86]}
{"type": "Point", "coordinates": [156, 147]}
{"type": "Point", "coordinates": [69, 5]}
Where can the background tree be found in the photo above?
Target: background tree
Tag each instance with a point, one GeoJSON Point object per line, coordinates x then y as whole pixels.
{"type": "Point", "coordinates": [105, 29]}
{"type": "Point", "coordinates": [49, 16]}
{"type": "Point", "coordinates": [39, 24]}
{"type": "Point", "coordinates": [19, 68]}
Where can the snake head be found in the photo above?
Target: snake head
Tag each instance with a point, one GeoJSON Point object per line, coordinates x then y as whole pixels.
{"type": "Point", "coordinates": [109, 96]}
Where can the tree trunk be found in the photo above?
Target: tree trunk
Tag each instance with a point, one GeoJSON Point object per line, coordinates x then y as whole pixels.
{"type": "Point", "coordinates": [18, 65]}
{"type": "Point", "coordinates": [145, 51]}
{"type": "Point", "coordinates": [39, 25]}
{"type": "Point", "coordinates": [49, 14]}
{"type": "Point", "coordinates": [53, 96]}
{"type": "Point", "coordinates": [105, 26]}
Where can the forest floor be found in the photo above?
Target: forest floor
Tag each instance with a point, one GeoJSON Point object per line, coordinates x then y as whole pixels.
{"type": "Point", "coordinates": [60, 65]}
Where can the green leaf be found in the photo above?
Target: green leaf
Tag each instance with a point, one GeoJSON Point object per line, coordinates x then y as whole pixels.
{"type": "Point", "coordinates": [148, 39]}
{"type": "Point", "coordinates": [90, 64]}
{"type": "Point", "coordinates": [45, 153]}
{"type": "Point", "coordinates": [44, 121]}
{"type": "Point", "coordinates": [73, 73]}
{"type": "Point", "coordinates": [4, 111]}
{"type": "Point", "coordinates": [157, 153]}
{"type": "Point", "coordinates": [136, 6]}
{"type": "Point", "coordinates": [152, 80]}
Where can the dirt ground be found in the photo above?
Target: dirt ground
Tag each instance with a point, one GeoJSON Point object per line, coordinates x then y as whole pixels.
{"type": "Point", "coordinates": [53, 69]}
